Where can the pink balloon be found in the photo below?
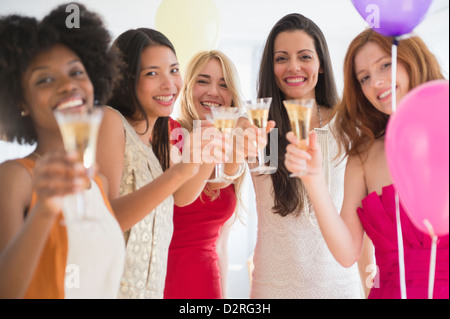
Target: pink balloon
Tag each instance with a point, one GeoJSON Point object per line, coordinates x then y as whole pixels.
{"type": "Point", "coordinates": [417, 151]}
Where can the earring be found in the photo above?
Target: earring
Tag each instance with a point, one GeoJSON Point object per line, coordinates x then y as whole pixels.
{"type": "Point", "coordinates": [24, 113]}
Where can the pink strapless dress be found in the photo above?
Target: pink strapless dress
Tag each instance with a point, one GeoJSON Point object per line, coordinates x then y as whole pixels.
{"type": "Point", "coordinates": [377, 216]}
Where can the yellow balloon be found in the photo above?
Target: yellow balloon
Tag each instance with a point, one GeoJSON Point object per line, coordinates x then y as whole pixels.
{"type": "Point", "coordinates": [191, 26]}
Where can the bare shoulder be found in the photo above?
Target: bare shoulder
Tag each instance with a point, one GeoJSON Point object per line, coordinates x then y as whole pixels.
{"type": "Point", "coordinates": [12, 172]}
{"type": "Point", "coordinates": [111, 128]}
{"type": "Point", "coordinates": [16, 186]}
{"type": "Point", "coordinates": [111, 149]}
{"type": "Point", "coordinates": [111, 116]}
{"type": "Point", "coordinates": [355, 188]}
{"type": "Point", "coordinates": [376, 168]}
{"type": "Point", "coordinates": [355, 166]}
{"type": "Point", "coordinates": [376, 155]}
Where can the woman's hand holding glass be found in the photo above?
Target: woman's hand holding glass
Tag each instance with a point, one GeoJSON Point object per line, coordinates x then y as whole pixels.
{"type": "Point", "coordinates": [56, 175]}
{"type": "Point", "coordinates": [224, 119]}
{"type": "Point", "coordinates": [258, 113]}
{"type": "Point", "coordinates": [204, 145]}
{"type": "Point", "coordinates": [79, 130]}
{"type": "Point", "coordinates": [303, 163]}
{"type": "Point", "coordinates": [254, 138]}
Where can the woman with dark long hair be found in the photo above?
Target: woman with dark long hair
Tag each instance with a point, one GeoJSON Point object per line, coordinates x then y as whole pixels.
{"type": "Point", "coordinates": [134, 156]}
{"type": "Point", "coordinates": [291, 259]}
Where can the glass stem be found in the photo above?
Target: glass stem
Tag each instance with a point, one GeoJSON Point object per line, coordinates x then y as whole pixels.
{"type": "Point", "coordinates": [261, 154]}
{"type": "Point", "coordinates": [220, 170]}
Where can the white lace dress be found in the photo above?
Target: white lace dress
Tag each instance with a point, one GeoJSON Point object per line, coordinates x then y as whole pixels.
{"type": "Point", "coordinates": [291, 258]}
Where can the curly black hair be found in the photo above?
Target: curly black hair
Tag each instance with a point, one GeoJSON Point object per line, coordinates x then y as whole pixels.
{"type": "Point", "coordinates": [21, 38]}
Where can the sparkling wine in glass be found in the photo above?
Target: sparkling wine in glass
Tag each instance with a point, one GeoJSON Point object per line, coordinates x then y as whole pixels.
{"type": "Point", "coordinates": [299, 112]}
{"type": "Point", "coordinates": [258, 113]}
{"type": "Point", "coordinates": [224, 119]}
{"type": "Point", "coordinates": [79, 130]}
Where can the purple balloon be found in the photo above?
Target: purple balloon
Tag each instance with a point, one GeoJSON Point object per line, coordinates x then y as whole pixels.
{"type": "Point", "coordinates": [392, 17]}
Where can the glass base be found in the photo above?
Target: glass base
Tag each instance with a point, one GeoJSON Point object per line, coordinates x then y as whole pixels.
{"type": "Point", "coordinates": [264, 170]}
{"type": "Point", "coordinates": [301, 174]}
{"type": "Point", "coordinates": [220, 180]}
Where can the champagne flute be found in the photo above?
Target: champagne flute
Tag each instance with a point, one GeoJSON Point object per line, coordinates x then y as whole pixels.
{"type": "Point", "coordinates": [299, 112]}
{"type": "Point", "coordinates": [258, 113]}
{"type": "Point", "coordinates": [224, 118]}
{"type": "Point", "coordinates": [79, 130]}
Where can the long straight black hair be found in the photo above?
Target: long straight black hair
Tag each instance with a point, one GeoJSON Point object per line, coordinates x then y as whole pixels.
{"type": "Point", "coordinates": [130, 44]}
{"type": "Point", "coordinates": [286, 189]}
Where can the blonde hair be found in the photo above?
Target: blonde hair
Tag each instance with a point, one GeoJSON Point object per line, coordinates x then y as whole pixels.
{"type": "Point", "coordinates": [188, 112]}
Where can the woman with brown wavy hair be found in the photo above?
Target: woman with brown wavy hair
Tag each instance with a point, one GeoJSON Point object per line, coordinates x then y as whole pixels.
{"type": "Point", "coordinates": [357, 135]}
{"type": "Point", "coordinates": [291, 259]}
{"type": "Point", "coordinates": [369, 199]}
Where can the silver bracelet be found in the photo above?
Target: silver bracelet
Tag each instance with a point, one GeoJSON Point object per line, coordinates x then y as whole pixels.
{"type": "Point", "coordinates": [238, 173]}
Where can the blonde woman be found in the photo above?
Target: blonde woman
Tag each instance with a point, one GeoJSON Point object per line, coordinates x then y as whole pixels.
{"type": "Point", "coordinates": [195, 268]}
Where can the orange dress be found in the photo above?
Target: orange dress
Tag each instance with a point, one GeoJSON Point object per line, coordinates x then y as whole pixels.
{"type": "Point", "coordinates": [48, 278]}
{"type": "Point", "coordinates": [94, 250]}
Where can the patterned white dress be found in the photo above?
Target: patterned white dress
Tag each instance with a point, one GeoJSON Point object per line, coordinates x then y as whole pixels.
{"type": "Point", "coordinates": [291, 259]}
{"type": "Point", "coordinates": [147, 242]}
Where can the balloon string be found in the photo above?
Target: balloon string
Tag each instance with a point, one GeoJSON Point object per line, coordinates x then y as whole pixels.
{"type": "Point", "coordinates": [432, 258]}
{"type": "Point", "coordinates": [394, 75]}
{"type": "Point", "coordinates": [401, 255]}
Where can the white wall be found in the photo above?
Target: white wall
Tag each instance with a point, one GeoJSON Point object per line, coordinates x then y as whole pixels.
{"type": "Point", "coordinates": [246, 23]}
{"type": "Point", "coordinates": [245, 26]}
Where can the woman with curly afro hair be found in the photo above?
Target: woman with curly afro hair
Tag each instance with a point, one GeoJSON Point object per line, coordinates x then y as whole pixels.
{"type": "Point", "coordinates": [44, 252]}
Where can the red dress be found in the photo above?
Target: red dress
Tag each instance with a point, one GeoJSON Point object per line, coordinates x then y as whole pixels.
{"type": "Point", "coordinates": [192, 266]}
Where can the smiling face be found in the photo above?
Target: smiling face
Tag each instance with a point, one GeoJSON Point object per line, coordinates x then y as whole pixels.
{"type": "Point", "coordinates": [55, 78]}
{"type": "Point", "coordinates": [159, 81]}
{"type": "Point", "coordinates": [296, 64]}
{"type": "Point", "coordinates": [210, 89]}
{"type": "Point", "coordinates": [374, 73]}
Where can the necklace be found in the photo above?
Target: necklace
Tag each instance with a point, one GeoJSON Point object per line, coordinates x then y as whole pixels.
{"type": "Point", "coordinates": [320, 116]}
